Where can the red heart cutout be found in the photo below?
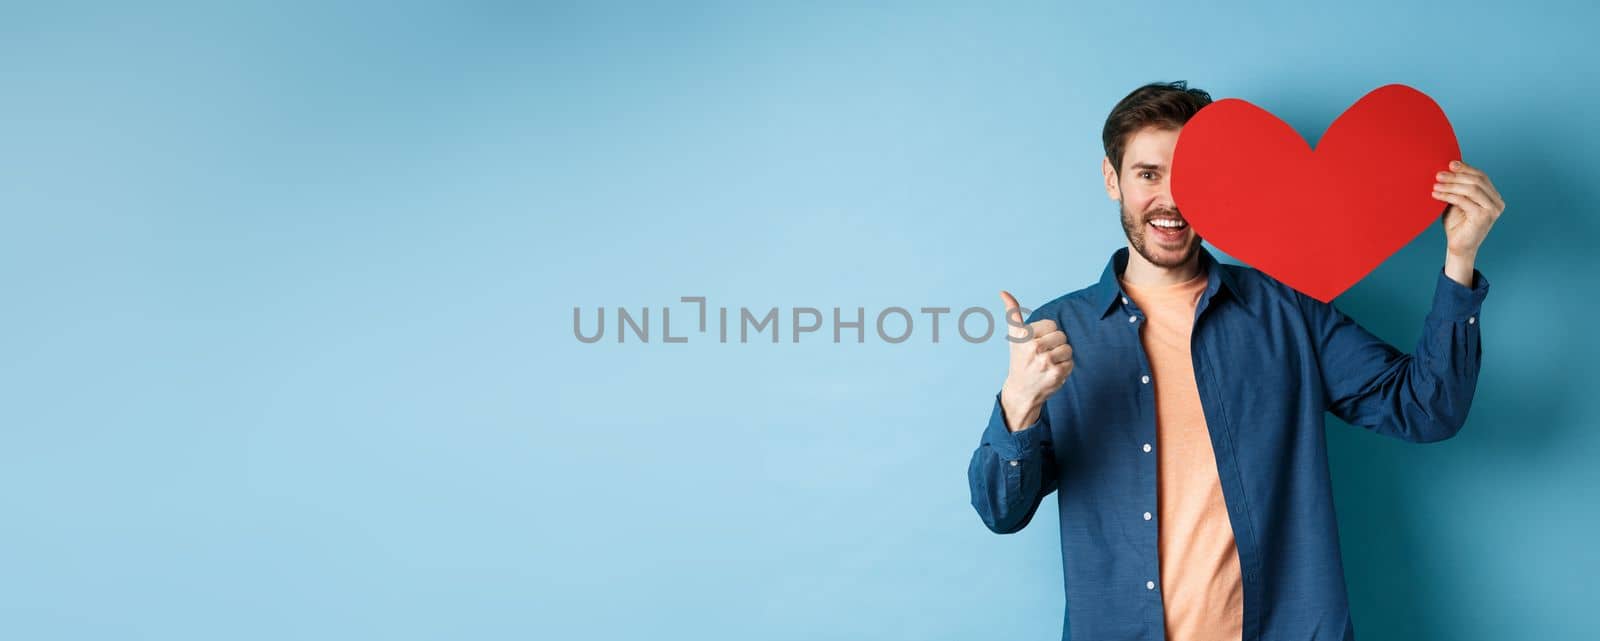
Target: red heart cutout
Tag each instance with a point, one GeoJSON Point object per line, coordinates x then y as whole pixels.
{"type": "Point", "coordinates": [1319, 221]}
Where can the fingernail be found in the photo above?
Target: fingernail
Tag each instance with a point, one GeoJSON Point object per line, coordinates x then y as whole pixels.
{"type": "Point", "coordinates": [1455, 164]}
{"type": "Point", "coordinates": [1441, 175]}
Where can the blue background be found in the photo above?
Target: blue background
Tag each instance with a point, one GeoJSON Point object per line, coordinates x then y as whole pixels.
{"type": "Point", "coordinates": [288, 299]}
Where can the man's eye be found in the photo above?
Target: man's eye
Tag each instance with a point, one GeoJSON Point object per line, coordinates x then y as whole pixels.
{"type": "Point", "coordinates": [1147, 175]}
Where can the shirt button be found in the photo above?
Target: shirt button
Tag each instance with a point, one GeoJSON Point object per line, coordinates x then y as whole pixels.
{"type": "Point", "coordinates": [1146, 447]}
{"type": "Point", "coordinates": [1013, 464]}
{"type": "Point", "coordinates": [1124, 300]}
{"type": "Point", "coordinates": [1472, 319]}
{"type": "Point", "coordinates": [1146, 516]}
{"type": "Point", "coordinates": [1149, 585]}
{"type": "Point", "coordinates": [1133, 319]}
{"type": "Point", "coordinates": [1144, 379]}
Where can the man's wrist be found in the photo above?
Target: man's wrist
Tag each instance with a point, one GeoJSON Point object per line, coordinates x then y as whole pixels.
{"type": "Point", "coordinates": [1019, 412]}
{"type": "Point", "coordinates": [1459, 266]}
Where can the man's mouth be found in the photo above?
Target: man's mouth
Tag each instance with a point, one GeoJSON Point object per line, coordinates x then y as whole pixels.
{"type": "Point", "coordinates": [1168, 230]}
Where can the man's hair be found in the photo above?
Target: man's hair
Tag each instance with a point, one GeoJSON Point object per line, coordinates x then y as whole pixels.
{"type": "Point", "coordinates": [1166, 105]}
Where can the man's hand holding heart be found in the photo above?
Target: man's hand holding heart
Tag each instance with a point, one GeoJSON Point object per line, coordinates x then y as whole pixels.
{"type": "Point", "coordinates": [1475, 205]}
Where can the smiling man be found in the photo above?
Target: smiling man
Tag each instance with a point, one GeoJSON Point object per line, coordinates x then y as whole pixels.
{"type": "Point", "coordinates": [1175, 409]}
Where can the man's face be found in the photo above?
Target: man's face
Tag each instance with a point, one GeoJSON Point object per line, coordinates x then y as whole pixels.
{"type": "Point", "coordinates": [1143, 187]}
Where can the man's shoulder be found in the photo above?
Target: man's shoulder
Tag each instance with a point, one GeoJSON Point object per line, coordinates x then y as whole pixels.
{"type": "Point", "coordinates": [1071, 303]}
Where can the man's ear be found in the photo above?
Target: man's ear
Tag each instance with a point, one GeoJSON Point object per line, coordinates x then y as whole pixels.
{"type": "Point", "coordinates": [1112, 190]}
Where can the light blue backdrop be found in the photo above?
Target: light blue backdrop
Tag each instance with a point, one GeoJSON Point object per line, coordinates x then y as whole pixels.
{"type": "Point", "coordinates": [288, 299]}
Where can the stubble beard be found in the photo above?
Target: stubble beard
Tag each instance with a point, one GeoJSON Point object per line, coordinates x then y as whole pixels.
{"type": "Point", "coordinates": [1134, 228]}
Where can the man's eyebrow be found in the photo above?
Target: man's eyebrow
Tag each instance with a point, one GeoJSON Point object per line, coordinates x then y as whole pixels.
{"type": "Point", "coordinates": [1146, 165]}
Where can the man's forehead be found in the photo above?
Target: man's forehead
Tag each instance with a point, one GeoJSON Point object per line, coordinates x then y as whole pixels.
{"type": "Point", "coordinates": [1152, 136]}
{"type": "Point", "coordinates": [1150, 148]}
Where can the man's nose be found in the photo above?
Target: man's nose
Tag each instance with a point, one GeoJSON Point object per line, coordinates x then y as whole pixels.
{"type": "Point", "coordinates": [1163, 198]}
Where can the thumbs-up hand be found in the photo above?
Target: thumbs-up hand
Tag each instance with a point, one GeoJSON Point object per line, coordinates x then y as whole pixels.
{"type": "Point", "coordinates": [1041, 360]}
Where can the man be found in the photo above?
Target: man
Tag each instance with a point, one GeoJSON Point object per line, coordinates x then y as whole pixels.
{"type": "Point", "coordinates": [1177, 405]}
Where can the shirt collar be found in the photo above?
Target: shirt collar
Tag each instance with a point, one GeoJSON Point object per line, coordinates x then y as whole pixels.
{"type": "Point", "coordinates": [1109, 289]}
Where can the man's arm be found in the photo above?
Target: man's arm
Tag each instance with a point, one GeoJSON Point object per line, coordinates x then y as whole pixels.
{"type": "Point", "coordinates": [1420, 397]}
{"type": "Point", "coordinates": [1011, 472]}
{"type": "Point", "coordinates": [1423, 396]}
{"type": "Point", "coordinates": [1014, 467]}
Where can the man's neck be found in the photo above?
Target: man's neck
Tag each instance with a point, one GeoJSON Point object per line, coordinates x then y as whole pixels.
{"type": "Point", "coordinates": [1143, 272]}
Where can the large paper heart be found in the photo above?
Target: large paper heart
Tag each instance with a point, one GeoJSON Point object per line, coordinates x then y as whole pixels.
{"type": "Point", "coordinates": [1319, 221]}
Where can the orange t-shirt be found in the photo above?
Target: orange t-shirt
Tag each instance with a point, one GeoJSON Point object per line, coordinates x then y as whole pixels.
{"type": "Point", "coordinates": [1202, 593]}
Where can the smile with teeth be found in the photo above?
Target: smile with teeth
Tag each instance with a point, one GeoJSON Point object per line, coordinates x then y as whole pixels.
{"type": "Point", "coordinates": [1169, 231]}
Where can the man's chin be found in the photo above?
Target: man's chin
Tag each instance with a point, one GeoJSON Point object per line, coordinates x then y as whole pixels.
{"type": "Point", "coordinates": [1168, 257]}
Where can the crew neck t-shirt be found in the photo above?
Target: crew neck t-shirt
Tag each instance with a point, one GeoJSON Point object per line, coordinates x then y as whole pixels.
{"type": "Point", "coordinates": [1202, 594]}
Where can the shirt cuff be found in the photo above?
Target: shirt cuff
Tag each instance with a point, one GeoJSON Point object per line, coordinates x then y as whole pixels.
{"type": "Point", "coordinates": [1013, 445]}
{"type": "Point", "coordinates": [1453, 301]}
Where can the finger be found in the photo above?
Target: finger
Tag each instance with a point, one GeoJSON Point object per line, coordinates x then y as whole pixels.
{"type": "Point", "coordinates": [1060, 354]}
{"type": "Point", "coordinates": [1015, 328]}
{"type": "Point", "coordinates": [1491, 197]}
{"type": "Point", "coordinates": [1460, 177]}
{"type": "Point", "coordinates": [1043, 326]}
{"type": "Point", "coordinates": [1461, 167]}
{"type": "Point", "coordinates": [1494, 194]}
{"type": "Point", "coordinates": [1472, 192]}
{"type": "Point", "coordinates": [1465, 168]}
{"type": "Point", "coordinates": [1472, 180]}
{"type": "Point", "coordinates": [1052, 340]}
{"type": "Point", "coordinates": [1461, 202]}
{"type": "Point", "coordinates": [1009, 300]}
{"type": "Point", "coordinates": [1066, 369]}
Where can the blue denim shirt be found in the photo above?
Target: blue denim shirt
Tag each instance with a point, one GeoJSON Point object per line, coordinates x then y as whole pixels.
{"type": "Point", "coordinates": [1268, 361]}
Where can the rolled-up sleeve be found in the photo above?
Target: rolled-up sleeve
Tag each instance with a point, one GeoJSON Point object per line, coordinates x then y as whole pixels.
{"type": "Point", "coordinates": [1422, 396]}
{"type": "Point", "coordinates": [1011, 472]}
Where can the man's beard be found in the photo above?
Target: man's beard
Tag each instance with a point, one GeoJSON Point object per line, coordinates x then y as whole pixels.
{"type": "Point", "coordinates": [1135, 228]}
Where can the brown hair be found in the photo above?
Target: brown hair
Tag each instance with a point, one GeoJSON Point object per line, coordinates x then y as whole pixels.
{"type": "Point", "coordinates": [1166, 105]}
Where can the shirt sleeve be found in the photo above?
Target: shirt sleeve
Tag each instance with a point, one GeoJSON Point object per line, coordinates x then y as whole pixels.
{"type": "Point", "coordinates": [1011, 472]}
{"type": "Point", "coordinates": [1421, 397]}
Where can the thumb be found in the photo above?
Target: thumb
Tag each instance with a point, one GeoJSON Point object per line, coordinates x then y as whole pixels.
{"type": "Point", "coordinates": [1014, 319]}
{"type": "Point", "coordinates": [1009, 300]}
